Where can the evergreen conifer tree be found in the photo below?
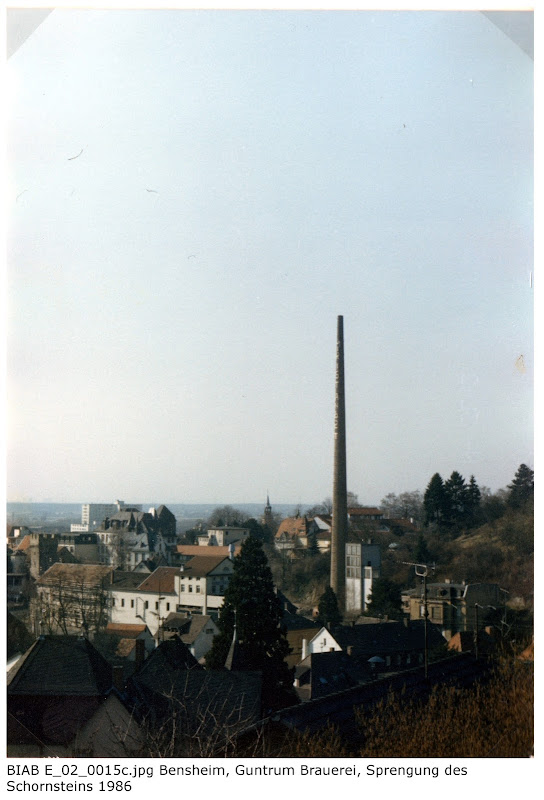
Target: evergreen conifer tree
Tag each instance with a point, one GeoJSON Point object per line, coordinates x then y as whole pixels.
{"type": "Point", "coordinates": [474, 497]}
{"type": "Point", "coordinates": [422, 554]}
{"type": "Point", "coordinates": [385, 599]}
{"type": "Point", "coordinates": [522, 487]}
{"type": "Point", "coordinates": [435, 501]}
{"type": "Point", "coordinates": [456, 492]}
{"type": "Point", "coordinates": [328, 611]}
{"type": "Point", "coordinates": [252, 605]}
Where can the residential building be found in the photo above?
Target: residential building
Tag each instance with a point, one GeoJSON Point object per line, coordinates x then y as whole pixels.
{"type": "Point", "coordinates": [83, 546]}
{"type": "Point", "coordinates": [453, 607]}
{"type": "Point", "coordinates": [302, 533]}
{"type": "Point", "coordinates": [126, 638]}
{"type": "Point", "coordinates": [305, 641]}
{"type": "Point", "coordinates": [197, 586]}
{"type": "Point", "coordinates": [61, 703]}
{"type": "Point", "coordinates": [190, 711]}
{"type": "Point", "coordinates": [328, 662]}
{"type": "Point", "coordinates": [196, 632]}
{"type": "Point", "coordinates": [183, 552]}
{"type": "Point", "coordinates": [292, 535]}
{"type": "Point", "coordinates": [16, 534]}
{"type": "Point", "coordinates": [72, 598]}
{"type": "Point", "coordinates": [367, 520]}
{"type": "Point", "coordinates": [131, 536]}
{"type": "Point", "coordinates": [320, 674]}
{"type": "Point", "coordinates": [222, 536]}
{"type": "Point", "coordinates": [138, 598]}
{"type": "Point", "coordinates": [363, 567]}
{"type": "Point", "coordinates": [17, 578]}
{"type": "Point", "coordinates": [42, 552]}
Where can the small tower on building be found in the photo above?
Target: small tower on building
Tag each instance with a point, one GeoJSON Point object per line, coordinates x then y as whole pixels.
{"type": "Point", "coordinates": [268, 519]}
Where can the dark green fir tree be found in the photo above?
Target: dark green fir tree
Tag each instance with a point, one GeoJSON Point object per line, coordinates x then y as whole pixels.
{"type": "Point", "coordinates": [328, 612]}
{"type": "Point", "coordinates": [251, 604]}
{"type": "Point", "coordinates": [522, 488]}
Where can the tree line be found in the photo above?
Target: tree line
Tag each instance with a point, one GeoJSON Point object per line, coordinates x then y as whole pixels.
{"type": "Point", "coordinates": [454, 503]}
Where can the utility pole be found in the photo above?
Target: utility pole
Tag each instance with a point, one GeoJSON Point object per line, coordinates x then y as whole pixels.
{"type": "Point", "coordinates": [476, 607]}
{"type": "Point", "coordinates": [422, 571]}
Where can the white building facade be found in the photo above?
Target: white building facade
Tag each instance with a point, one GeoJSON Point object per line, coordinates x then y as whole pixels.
{"type": "Point", "coordinates": [197, 587]}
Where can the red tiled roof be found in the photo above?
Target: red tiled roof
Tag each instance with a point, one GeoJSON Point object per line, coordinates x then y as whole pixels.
{"type": "Point", "coordinates": [126, 630]}
{"type": "Point", "coordinates": [125, 647]}
{"type": "Point", "coordinates": [25, 543]}
{"type": "Point", "coordinates": [206, 550]}
{"type": "Point", "coordinates": [293, 526]}
{"type": "Point", "coordinates": [364, 511]}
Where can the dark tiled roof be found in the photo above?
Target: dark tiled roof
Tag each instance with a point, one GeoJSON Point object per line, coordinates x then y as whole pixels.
{"type": "Point", "coordinates": [387, 637]}
{"type": "Point", "coordinates": [331, 672]}
{"type": "Point", "coordinates": [197, 625]}
{"type": "Point", "coordinates": [295, 637]}
{"type": "Point", "coordinates": [216, 703]}
{"type": "Point", "coordinates": [66, 557]}
{"type": "Point", "coordinates": [177, 622]}
{"type": "Point", "coordinates": [286, 604]}
{"type": "Point", "coordinates": [293, 622]}
{"type": "Point", "coordinates": [159, 670]}
{"type": "Point", "coordinates": [188, 628]}
{"type": "Point", "coordinates": [126, 580]}
{"type": "Point", "coordinates": [60, 665]}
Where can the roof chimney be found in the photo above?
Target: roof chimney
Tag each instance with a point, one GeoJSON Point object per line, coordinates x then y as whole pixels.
{"type": "Point", "coordinates": [139, 653]}
{"type": "Point", "coordinates": [304, 649]}
{"type": "Point", "coordinates": [117, 677]}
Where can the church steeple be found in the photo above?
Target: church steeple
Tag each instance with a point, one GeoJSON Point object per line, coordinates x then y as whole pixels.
{"type": "Point", "coordinates": [268, 519]}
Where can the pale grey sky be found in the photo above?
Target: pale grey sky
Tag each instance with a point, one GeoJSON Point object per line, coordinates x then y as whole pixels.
{"type": "Point", "coordinates": [194, 198]}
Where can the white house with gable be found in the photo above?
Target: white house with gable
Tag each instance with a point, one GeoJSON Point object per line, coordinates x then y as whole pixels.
{"type": "Point", "coordinates": [197, 587]}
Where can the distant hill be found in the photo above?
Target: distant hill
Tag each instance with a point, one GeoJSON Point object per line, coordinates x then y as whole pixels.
{"type": "Point", "coordinates": [57, 513]}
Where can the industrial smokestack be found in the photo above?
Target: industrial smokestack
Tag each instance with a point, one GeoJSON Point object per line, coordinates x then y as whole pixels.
{"type": "Point", "coordinates": [340, 492]}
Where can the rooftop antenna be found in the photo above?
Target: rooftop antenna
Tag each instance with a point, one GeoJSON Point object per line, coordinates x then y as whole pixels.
{"type": "Point", "coordinates": [422, 571]}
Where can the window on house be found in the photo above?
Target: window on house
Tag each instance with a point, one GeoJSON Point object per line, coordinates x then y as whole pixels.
{"type": "Point", "coordinates": [156, 606]}
{"type": "Point", "coordinates": [122, 602]}
{"type": "Point", "coordinates": [168, 606]}
{"type": "Point", "coordinates": [146, 604]}
{"type": "Point", "coordinates": [190, 588]}
{"type": "Point", "coordinates": [132, 603]}
{"type": "Point", "coordinates": [198, 588]}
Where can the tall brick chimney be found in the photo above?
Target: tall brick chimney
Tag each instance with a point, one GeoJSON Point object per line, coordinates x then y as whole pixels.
{"type": "Point", "coordinates": [340, 492]}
